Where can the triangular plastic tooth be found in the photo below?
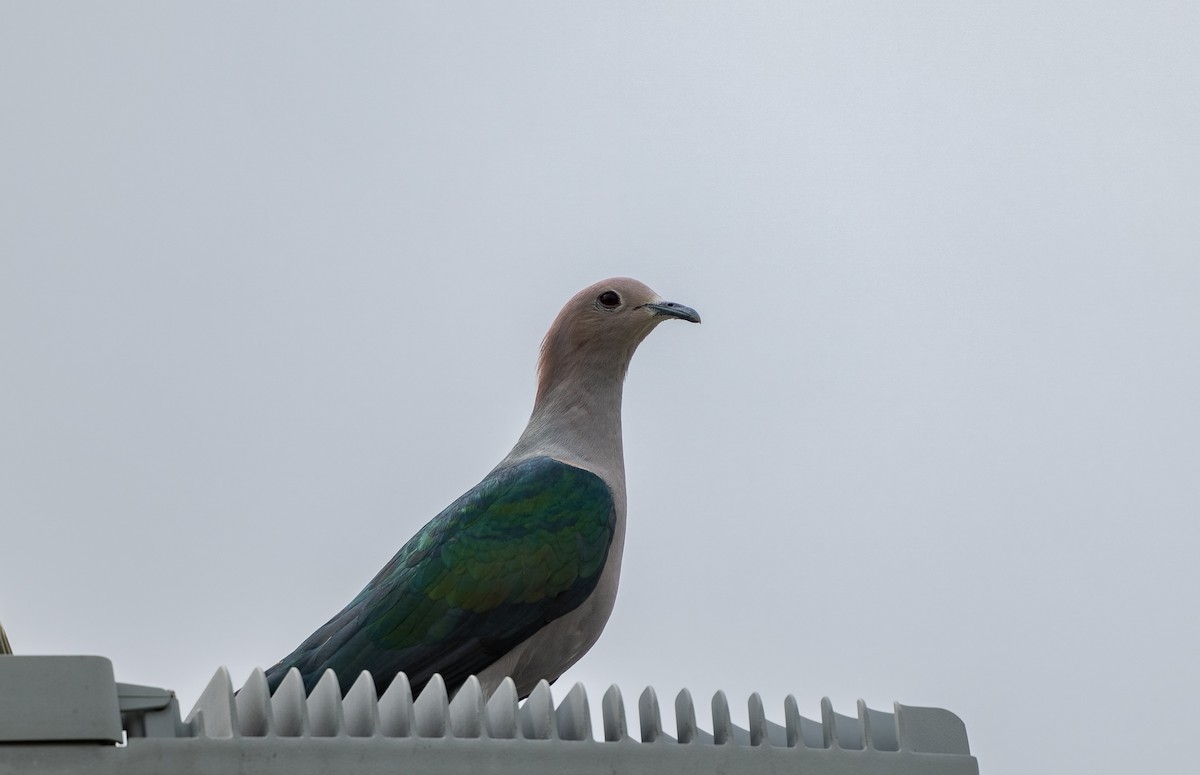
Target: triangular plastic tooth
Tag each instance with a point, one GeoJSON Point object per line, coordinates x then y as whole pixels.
{"type": "Point", "coordinates": [466, 710]}
{"type": "Point", "coordinates": [722, 723]}
{"type": "Point", "coordinates": [537, 713]}
{"type": "Point", "coordinates": [864, 725]}
{"type": "Point", "coordinates": [573, 717]}
{"type": "Point", "coordinates": [758, 720]}
{"type": "Point", "coordinates": [289, 707]}
{"type": "Point", "coordinates": [828, 724]}
{"type": "Point", "coordinates": [501, 711]}
{"type": "Point", "coordinates": [325, 707]}
{"type": "Point", "coordinates": [649, 716]}
{"type": "Point", "coordinates": [431, 710]}
{"type": "Point", "coordinates": [791, 722]}
{"type": "Point", "coordinates": [215, 714]}
{"type": "Point", "coordinates": [396, 712]}
{"type": "Point", "coordinates": [685, 717]}
{"type": "Point", "coordinates": [360, 708]}
{"type": "Point", "coordinates": [613, 708]}
{"type": "Point", "coordinates": [253, 703]}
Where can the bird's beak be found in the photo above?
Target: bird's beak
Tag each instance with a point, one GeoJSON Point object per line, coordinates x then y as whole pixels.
{"type": "Point", "coordinates": [670, 309]}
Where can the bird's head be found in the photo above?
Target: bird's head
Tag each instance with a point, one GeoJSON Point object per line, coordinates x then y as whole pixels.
{"type": "Point", "coordinates": [601, 326]}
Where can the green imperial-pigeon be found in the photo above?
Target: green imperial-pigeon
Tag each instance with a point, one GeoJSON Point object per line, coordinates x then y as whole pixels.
{"type": "Point", "coordinates": [518, 576]}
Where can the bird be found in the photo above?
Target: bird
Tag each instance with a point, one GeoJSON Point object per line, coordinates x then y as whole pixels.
{"type": "Point", "coordinates": [518, 576]}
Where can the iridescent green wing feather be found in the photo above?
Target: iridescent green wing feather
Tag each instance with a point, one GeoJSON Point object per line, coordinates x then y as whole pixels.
{"type": "Point", "coordinates": [523, 547]}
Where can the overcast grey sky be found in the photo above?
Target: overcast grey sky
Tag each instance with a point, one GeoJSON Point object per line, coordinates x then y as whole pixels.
{"type": "Point", "coordinates": [273, 278]}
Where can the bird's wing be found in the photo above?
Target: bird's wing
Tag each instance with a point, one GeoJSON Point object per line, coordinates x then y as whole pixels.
{"type": "Point", "coordinates": [520, 549]}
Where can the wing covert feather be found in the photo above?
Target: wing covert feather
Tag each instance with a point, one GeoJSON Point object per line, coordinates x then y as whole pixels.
{"type": "Point", "coordinates": [523, 547]}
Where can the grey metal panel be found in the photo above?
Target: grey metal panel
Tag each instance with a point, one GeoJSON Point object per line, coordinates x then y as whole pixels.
{"type": "Point", "coordinates": [288, 732]}
{"type": "Point", "coordinates": [435, 756]}
{"type": "Point", "coordinates": [61, 699]}
{"type": "Point", "coordinates": [502, 734]}
{"type": "Point", "coordinates": [931, 730]}
{"type": "Point", "coordinates": [147, 711]}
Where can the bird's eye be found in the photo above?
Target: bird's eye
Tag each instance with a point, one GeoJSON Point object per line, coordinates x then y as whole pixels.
{"type": "Point", "coordinates": [609, 299]}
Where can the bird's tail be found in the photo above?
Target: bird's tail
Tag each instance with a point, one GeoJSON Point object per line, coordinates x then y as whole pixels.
{"type": "Point", "coordinates": [5, 646]}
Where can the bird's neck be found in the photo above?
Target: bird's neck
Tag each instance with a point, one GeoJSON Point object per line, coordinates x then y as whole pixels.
{"type": "Point", "coordinates": [577, 418]}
